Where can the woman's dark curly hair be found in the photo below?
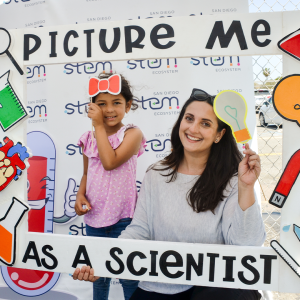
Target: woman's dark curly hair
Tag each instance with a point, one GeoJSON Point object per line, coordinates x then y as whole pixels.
{"type": "Point", "coordinates": [125, 90]}
{"type": "Point", "coordinates": [222, 164]}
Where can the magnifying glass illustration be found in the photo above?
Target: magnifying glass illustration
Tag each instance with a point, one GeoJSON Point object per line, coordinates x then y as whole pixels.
{"type": "Point", "coordinates": [5, 41]}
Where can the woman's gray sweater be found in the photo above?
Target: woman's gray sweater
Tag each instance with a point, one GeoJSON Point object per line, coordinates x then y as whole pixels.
{"type": "Point", "coordinates": [163, 214]}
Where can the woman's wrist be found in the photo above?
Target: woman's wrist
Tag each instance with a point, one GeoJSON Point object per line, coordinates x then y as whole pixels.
{"type": "Point", "coordinates": [244, 186]}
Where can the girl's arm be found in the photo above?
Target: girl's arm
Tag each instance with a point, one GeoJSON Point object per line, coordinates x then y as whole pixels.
{"type": "Point", "coordinates": [113, 158]}
{"type": "Point", "coordinates": [80, 197]}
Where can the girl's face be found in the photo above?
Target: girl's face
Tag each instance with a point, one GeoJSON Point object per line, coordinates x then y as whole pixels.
{"type": "Point", "coordinates": [199, 128]}
{"type": "Point", "coordinates": [113, 107]}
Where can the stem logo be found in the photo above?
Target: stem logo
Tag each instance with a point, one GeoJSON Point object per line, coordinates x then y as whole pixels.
{"type": "Point", "coordinates": [73, 149]}
{"type": "Point", "coordinates": [16, 1]}
{"type": "Point", "coordinates": [70, 108]}
{"type": "Point", "coordinates": [37, 71]}
{"type": "Point", "coordinates": [158, 145]}
{"type": "Point", "coordinates": [37, 108]}
{"type": "Point", "coordinates": [87, 68]}
{"type": "Point", "coordinates": [215, 61]}
{"type": "Point", "coordinates": [152, 64]}
{"type": "Point", "coordinates": [155, 103]}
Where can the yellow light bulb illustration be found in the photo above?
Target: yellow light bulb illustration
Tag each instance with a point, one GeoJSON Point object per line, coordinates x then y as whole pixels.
{"type": "Point", "coordinates": [231, 108]}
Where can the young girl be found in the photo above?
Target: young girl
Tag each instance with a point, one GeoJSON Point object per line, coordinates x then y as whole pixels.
{"type": "Point", "coordinates": [107, 193]}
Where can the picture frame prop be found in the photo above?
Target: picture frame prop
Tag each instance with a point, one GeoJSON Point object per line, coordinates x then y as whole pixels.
{"type": "Point", "coordinates": [194, 264]}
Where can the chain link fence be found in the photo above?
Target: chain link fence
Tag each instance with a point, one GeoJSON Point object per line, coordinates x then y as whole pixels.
{"type": "Point", "coordinates": [267, 71]}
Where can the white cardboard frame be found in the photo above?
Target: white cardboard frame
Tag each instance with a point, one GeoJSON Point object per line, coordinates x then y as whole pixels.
{"type": "Point", "coordinates": [190, 36]}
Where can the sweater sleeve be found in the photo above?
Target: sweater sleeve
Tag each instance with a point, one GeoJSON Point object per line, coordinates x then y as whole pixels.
{"type": "Point", "coordinates": [243, 228]}
{"type": "Point", "coordinates": [139, 226]}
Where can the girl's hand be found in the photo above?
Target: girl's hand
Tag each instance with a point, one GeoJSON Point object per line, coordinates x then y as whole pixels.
{"type": "Point", "coordinates": [249, 167]}
{"type": "Point", "coordinates": [96, 114]}
{"type": "Point", "coordinates": [80, 201]}
{"type": "Point", "coordinates": [85, 273]}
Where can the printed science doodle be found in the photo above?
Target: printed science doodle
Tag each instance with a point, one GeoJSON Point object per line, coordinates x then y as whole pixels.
{"type": "Point", "coordinates": [12, 111]}
{"type": "Point", "coordinates": [286, 98]}
{"type": "Point", "coordinates": [8, 226]}
{"type": "Point", "coordinates": [12, 161]}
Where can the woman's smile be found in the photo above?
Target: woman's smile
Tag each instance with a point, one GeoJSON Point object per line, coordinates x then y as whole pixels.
{"type": "Point", "coordinates": [192, 139]}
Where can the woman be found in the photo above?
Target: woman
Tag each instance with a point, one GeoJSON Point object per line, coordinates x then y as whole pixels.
{"type": "Point", "coordinates": [203, 192]}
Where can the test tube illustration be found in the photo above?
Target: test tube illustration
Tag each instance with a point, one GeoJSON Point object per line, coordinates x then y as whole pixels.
{"type": "Point", "coordinates": [41, 188]}
{"type": "Point", "coordinates": [286, 181]}
{"type": "Point", "coordinates": [8, 230]}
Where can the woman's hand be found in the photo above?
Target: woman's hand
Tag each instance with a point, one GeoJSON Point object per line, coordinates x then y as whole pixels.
{"type": "Point", "coordinates": [249, 167]}
{"type": "Point", "coordinates": [80, 201]}
{"type": "Point", "coordinates": [85, 273]}
{"type": "Point", "coordinates": [96, 114]}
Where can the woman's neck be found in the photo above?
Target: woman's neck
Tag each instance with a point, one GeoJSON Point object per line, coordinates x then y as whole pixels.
{"type": "Point", "coordinates": [193, 163]}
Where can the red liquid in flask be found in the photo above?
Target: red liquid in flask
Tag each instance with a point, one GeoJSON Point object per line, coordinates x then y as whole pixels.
{"type": "Point", "coordinates": [8, 226]}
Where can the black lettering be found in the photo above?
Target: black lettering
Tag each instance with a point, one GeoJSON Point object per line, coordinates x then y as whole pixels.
{"type": "Point", "coordinates": [66, 43]}
{"type": "Point", "coordinates": [51, 256]}
{"type": "Point", "coordinates": [154, 37]}
{"type": "Point", "coordinates": [164, 264]}
{"type": "Point", "coordinates": [212, 263]}
{"type": "Point", "coordinates": [115, 44]}
{"type": "Point", "coordinates": [190, 262]}
{"type": "Point", "coordinates": [225, 39]}
{"type": "Point", "coordinates": [268, 267]}
{"type": "Point", "coordinates": [255, 33]}
{"type": "Point", "coordinates": [77, 260]}
{"type": "Point", "coordinates": [130, 266]}
{"type": "Point", "coordinates": [117, 259]}
{"type": "Point", "coordinates": [229, 268]}
{"type": "Point", "coordinates": [250, 268]}
{"type": "Point", "coordinates": [153, 263]}
{"type": "Point", "coordinates": [35, 256]}
{"type": "Point", "coordinates": [129, 44]}
{"type": "Point", "coordinates": [36, 46]}
{"type": "Point", "coordinates": [88, 33]}
{"type": "Point", "coordinates": [53, 35]}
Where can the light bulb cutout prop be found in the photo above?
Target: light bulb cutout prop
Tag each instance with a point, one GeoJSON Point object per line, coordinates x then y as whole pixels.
{"type": "Point", "coordinates": [5, 42]}
{"type": "Point", "coordinates": [286, 181]}
{"type": "Point", "coordinates": [286, 98]}
{"type": "Point", "coordinates": [231, 108]}
{"type": "Point", "coordinates": [8, 229]}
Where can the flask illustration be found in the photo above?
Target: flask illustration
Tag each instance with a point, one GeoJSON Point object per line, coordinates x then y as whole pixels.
{"type": "Point", "coordinates": [12, 111]}
{"type": "Point", "coordinates": [8, 229]}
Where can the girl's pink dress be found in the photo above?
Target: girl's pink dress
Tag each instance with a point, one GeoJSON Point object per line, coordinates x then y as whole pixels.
{"type": "Point", "coordinates": [112, 194]}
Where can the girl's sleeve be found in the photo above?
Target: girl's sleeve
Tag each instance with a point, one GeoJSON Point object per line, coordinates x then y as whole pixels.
{"type": "Point", "coordinates": [86, 141]}
{"type": "Point", "coordinates": [243, 228]}
{"type": "Point", "coordinates": [139, 228]}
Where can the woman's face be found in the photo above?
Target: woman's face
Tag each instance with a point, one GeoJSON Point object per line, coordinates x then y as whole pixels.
{"type": "Point", "coordinates": [198, 128]}
{"type": "Point", "coordinates": [113, 107]}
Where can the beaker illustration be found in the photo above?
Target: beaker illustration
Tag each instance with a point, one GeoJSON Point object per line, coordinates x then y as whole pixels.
{"type": "Point", "coordinates": [40, 192]}
{"type": "Point", "coordinates": [8, 226]}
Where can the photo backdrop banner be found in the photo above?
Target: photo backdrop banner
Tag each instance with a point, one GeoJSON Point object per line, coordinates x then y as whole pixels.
{"type": "Point", "coordinates": [57, 95]}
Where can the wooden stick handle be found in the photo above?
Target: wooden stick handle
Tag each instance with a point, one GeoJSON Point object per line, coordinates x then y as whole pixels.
{"type": "Point", "coordinates": [92, 132]}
